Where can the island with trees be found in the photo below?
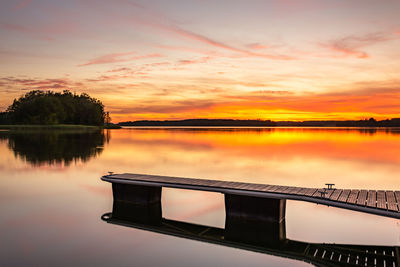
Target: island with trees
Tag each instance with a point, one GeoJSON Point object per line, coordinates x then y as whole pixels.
{"type": "Point", "coordinates": [55, 108]}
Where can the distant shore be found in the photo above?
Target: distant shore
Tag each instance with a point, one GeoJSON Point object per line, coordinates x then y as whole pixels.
{"type": "Point", "coordinates": [261, 123]}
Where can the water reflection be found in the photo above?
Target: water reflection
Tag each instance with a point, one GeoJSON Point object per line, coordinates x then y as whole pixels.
{"type": "Point", "coordinates": [307, 157]}
{"type": "Point", "coordinates": [50, 213]}
{"type": "Point", "coordinates": [55, 146]}
{"type": "Point", "coordinates": [275, 243]}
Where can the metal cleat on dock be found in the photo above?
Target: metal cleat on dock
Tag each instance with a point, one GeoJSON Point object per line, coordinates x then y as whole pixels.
{"type": "Point", "coordinates": [330, 186]}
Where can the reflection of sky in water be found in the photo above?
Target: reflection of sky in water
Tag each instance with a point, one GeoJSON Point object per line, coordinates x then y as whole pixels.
{"type": "Point", "coordinates": [52, 212]}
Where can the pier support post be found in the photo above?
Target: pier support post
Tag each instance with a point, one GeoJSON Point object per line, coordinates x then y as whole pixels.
{"type": "Point", "coordinates": [255, 220]}
{"type": "Point", "coordinates": [137, 203]}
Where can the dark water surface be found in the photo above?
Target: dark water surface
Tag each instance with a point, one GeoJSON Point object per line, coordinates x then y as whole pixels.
{"type": "Point", "coordinates": [52, 199]}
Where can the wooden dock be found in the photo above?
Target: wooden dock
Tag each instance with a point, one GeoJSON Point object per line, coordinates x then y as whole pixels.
{"type": "Point", "coordinates": [384, 203]}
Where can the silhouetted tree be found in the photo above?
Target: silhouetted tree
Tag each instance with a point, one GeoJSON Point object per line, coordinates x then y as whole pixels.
{"type": "Point", "coordinates": [107, 119]}
{"type": "Point", "coordinates": [38, 107]}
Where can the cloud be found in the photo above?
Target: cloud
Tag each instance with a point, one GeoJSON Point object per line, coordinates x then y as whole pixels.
{"type": "Point", "coordinates": [109, 58]}
{"type": "Point", "coordinates": [118, 57]}
{"type": "Point", "coordinates": [177, 106]}
{"type": "Point", "coordinates": [38, 84]}
{"type": "Point", "coordinates": [120, 70]}
{"type": "Point", "coordinates": [369, 101]}
{"type": "Point", "coordinates": [351, 46]}
{"type": "Point", "coordinates": [193, 61]}
{"type": "Point", "coordinates": [166, 25]}
{"type": "Point", "coordinates": [211, 42]}
{"type": "Point", "coordinates": [106, 78]}
{"type": "Point", "coordinates": [257, 46]}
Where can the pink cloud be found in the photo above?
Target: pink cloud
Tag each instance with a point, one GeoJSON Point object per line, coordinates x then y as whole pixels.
{"type": "Point", "coordinates": [189, 49]}
{"type": "Point", "coordinates": [155, 20]}
{"type": "Point", "coordinates": [257, 46]}
{"type": "Point", "coordinates": [120, 70]}
{"type": "Point", "coordinates": [109, 58]}
{"type": "Point", "coordinates": [351, 46]}
{"type": "Point", "coordinates": [104, 78]}
{"type": "Point", "coordinates": [206, 40]}
{"type": "Point", "coordinates": [39, 84]}
{"type": "Point", "coordinates": [177, 31]}
{"type": "Point", "coordinates": [193, 61]}
{"type": "Point", "coordinates": [118, 57]}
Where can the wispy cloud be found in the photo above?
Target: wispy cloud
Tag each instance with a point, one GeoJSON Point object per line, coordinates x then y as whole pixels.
{"type": "Point", "coordinates": [351, 46]}
{"type": "Point", "coordinates": [177, 106]}
{"type": "Point", "coordinates": [120, 69]}
{"type": "Point", "coordinates": [165, 24]}
{"type": "Point", "coordinates": [193, 61]}
{"type": "Point", "coordinates": [258, 46]}
{"type": "Point", "coordinates": [38, 84]}
{"type": "Point", "coordinates": [217, 44]}
{"type": "Point", "coordinates": [118, 57]}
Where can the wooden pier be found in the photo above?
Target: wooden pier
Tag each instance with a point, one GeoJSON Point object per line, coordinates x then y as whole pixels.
{"type": "Point", "coordinates": [255, 217]}
{"type": "Point", "coordinates": [385, 203]}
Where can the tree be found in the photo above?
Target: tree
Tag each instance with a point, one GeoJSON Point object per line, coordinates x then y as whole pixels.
{"type": "Point", "coordinates": [38, 107]}
{"type": "Point", "coordinates": [107, 119]}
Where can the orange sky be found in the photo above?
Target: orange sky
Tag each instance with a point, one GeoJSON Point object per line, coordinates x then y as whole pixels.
{"type": "Point", "coordinates": [279, 60]}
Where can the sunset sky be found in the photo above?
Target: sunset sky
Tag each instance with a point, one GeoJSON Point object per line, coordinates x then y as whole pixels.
{"type": "Point", "coordinates": [279, 60]}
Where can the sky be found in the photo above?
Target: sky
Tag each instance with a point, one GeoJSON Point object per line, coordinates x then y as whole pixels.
{"type": "Point", "coordinates": [180, 59]}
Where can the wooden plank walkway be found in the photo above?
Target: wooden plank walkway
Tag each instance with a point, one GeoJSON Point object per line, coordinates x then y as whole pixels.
{"type": "Point", "coordinates": [385, 203]}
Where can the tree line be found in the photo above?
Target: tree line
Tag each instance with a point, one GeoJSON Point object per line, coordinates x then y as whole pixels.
{"type": "Point", "coordinates": [201, 122]}
{"type": "Point", "coordinates": [395, 122]}
{"type": "Point", "coordinates": [47, 107]}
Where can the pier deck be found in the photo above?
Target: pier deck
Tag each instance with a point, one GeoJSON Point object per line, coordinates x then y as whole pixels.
{"type": "Point", "coordinates": [385, 203]}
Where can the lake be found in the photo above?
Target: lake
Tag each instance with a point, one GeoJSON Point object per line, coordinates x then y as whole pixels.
{"type": "Point", "coordinates": [52, 198]}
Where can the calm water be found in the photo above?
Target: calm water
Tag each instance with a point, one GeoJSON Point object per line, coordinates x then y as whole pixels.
{"type": "Point", "coordinates": [51, 196]}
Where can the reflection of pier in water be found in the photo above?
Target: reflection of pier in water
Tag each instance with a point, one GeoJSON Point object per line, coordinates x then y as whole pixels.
{"type": "Point", "coordinates": [253, 222]}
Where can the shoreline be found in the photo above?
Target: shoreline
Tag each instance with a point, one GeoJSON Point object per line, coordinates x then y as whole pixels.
{"type": "Point", "coordinates": [50, 127]}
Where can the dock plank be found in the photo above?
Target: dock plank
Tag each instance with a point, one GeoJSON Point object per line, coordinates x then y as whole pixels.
{"type": "Point", "coordinates": [381, 199]}
{"type": "Point", "coordinates": [371, 199]}
{"type": "Point", "coordinates": [311, 191]}
{"type": "Point", "coordinates": [397, 195]}
{"type": "Point", "coordinates": [345, 194]}
{"type": "Point", "coordinates": [280, 189]}
{"type": "Point", "coordinates": [330, 192]}
{"type": "Point", "coordinates": [391, 201]}
{"type": "Point", "coordinates": [353, 196]}
{"type": "Point", "coordinates": [266, 188]}
{"type": "Point", "coordinates": [362, 198]}
{"type": "Point", "coordinates": [335, 195]}
{"type": "Point", "coordinates": [291, 190]}
{"type": "Point", "coordinates": [302, 191]}
{"type": "Point", "coordinates": [317, 193]}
